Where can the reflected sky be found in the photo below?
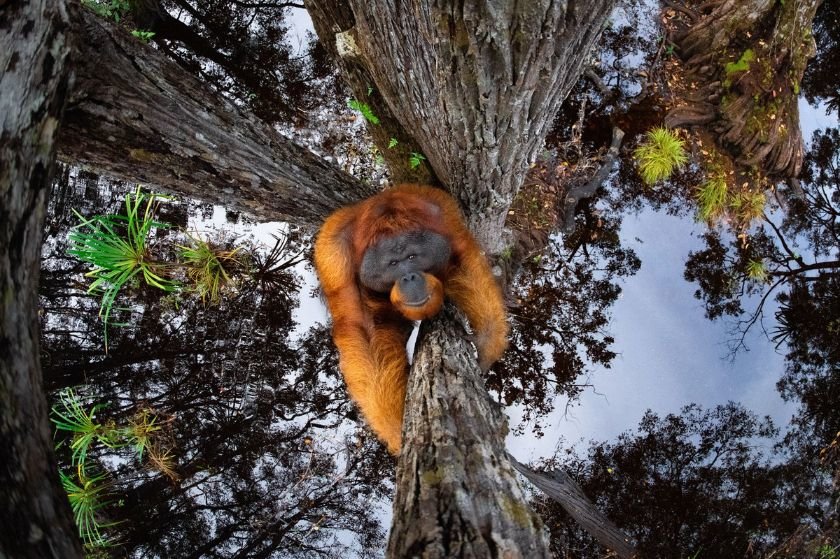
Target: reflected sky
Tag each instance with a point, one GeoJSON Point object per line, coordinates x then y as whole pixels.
{"type": "Point", "coordinates": [669, 353]}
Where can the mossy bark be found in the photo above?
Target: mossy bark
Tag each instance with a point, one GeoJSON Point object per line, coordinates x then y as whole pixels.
{"type": "Point", "coordinates": [746, 59]}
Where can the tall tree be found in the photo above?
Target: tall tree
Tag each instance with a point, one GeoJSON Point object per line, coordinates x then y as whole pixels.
{"type": "Point", "coordinates": [475, 86]}
{"type": "Point", "coordinates": [35, 80]}
{"type": "Point", "coordinates": [485, 83]}
{"type": "Point", "coordinates": [242, 49]}
{"type": "Point", "coordinates": [134, 114]}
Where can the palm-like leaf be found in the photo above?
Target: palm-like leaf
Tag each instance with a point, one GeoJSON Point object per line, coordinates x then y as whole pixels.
{"type": "Point", "coordinates": [117, 248]}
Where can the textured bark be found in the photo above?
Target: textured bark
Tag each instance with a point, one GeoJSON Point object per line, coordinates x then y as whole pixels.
{"type": "Point", "coordinates": [476, 84]}
{"type": "Point", "coordinates": [136, 115]}
{"type": "Point", "coordinates": [327, 17]}
{"type": "Point", "coordinates": [753, 113]}
{"type": "Point", "coordinates": [457, 495]}
{"type": "Point", "coordinates": [34, 81]}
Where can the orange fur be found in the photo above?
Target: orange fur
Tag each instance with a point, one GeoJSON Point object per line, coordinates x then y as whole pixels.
{"type": "Point", "coordinates": [371, 334]}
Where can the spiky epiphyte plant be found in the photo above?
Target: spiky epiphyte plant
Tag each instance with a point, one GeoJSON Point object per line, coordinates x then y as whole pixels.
{"type": "Point", "coordinates": [163, 460]}
{"type": "Point", "coordinates": [69, 415]}
{"type": "Point", "coordinates": [117, 247]}
{"type": "Point", "coordinates": [662, 153]}
{"type": "Point", "coordinates": [757, 271]}
{"type": "Point", "coordinates": [206, 267]}
{"type": "Point", "coordinates": [748, 205]}
{"type": "Point", "coordinates": [87, 498]}
{"type": "Point", "coordinates": [87, 492]}
{"type": "Point", "coordinates": [140, 430]}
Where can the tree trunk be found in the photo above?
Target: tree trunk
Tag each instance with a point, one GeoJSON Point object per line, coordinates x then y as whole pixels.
{"type": "Point", "coordinates": [329, 18]}
{"type": "Point", "coordinates": [748, 58]}
{"type": "Point", "coordinates": [457, 495]}
{"type": "Point", "coordinates": [35, 517]}
{"type": "Point", "coordinates": [475, 84]}
{"type": "Point", "coordinates": [136, 115]}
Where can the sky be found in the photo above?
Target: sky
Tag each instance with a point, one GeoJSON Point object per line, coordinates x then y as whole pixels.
{"type": "Point", "coordinates": [670, 355]}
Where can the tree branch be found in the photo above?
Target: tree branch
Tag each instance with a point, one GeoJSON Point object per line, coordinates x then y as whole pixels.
{"type": "Point", "coordinates": [137, 116]}
{"type": "Point", "coordinates": [601, 175]}
{"type": "Point", "coordinates": [563, 489]}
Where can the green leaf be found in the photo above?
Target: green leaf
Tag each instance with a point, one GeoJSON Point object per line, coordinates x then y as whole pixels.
{"type": "Point", "coordinates": [143, 35]}
{"type": "Point", "coordinates": [117, 247]}
{"type": "Point", "coordinates": [416, 159]}
{"type": "Point", "coordinates": [365, 109]}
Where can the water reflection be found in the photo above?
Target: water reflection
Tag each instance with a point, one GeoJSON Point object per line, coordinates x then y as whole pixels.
{"type": "Point", "coordinates": [719, 481]}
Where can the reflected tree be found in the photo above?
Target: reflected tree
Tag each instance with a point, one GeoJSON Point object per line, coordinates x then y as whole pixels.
{"type": "Point", "coordinates": [822, 76]}
{"type": "Point", "coordinates": [795, 260]}
{"type": "Point", "coordinates": [560, 317]}
{"type": "Point", "coordinates": [745, 61]}
{"type": "Point", "coordinates": [693, 484]}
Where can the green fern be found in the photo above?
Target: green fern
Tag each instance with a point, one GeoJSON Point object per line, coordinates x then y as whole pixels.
{"type": "Point", "coordinates": [660, 155]}
{"type": "Point", "coordinates": [69, 415]}
{"type": "Point", "coordinates": [365, 109]}
{"type": "Point", "coordinates": [415, 159]}
{"type": "Point", "coordinates": [143, 35]}
{"type": "Point", "coordinates": [207, 267]}
{"type": "Point", "coordinates": [827, 551]}
{"type": "Point", "coordinates": [109, 9]}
